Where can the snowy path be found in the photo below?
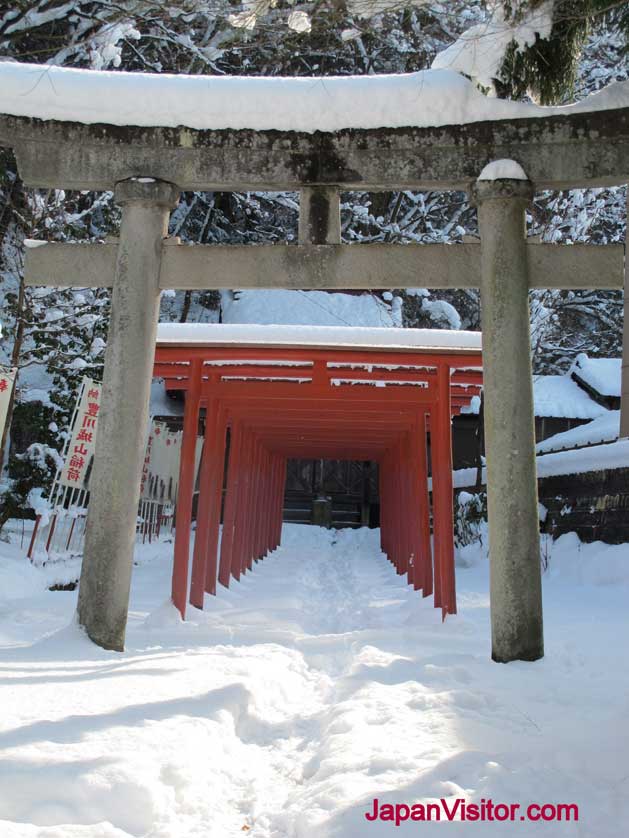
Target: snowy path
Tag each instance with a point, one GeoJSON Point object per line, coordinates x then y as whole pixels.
{"type": "Point", "coordinates": [318, 683]}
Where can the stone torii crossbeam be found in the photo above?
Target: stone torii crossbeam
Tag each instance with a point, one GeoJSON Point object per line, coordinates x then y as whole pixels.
{"type": "Point", "coordinates": [149, 167]}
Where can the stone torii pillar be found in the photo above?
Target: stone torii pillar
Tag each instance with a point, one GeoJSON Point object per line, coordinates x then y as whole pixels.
{"type": "Point", "coordinates": [120, 443]}
{"type": "Point", "coordinates": [319, 215]}
{"type": "Point", "coordinates": [624, 398]}
{"type": "Point", "coordinates": [515, 571]}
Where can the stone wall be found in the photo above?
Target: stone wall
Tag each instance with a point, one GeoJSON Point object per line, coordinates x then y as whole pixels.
{"type": "Point", "coordinates": [595, 505]}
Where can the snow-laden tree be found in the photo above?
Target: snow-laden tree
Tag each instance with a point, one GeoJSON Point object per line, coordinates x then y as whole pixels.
{"type": "Point", "coordinates": [52, 336]}
{"type": "Point", "coordinates": [534, 48]}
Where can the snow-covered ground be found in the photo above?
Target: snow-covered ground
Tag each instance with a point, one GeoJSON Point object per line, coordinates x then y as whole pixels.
{"type": "Point", "coordinates": [319, 682]}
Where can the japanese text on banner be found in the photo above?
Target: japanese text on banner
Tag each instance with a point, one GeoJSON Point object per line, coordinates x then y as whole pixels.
{"type": "Point", "coordinates": [80, 453]}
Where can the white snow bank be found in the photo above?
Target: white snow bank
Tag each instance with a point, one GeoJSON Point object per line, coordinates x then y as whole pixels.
{"type": "Point", "coordinates": [591, 565]}
{"type": "Point", "coordinates": [255, 334]}
{"type": "Point", "coordinates": [604, 429]}
{"type": "Point", "coordinates": [306, 308]}
{"type": "Point", "coordinates": [602, 374]}
{"type": "Point", "coordinates": [499, 169]}
{"type": "Point", "coordinates": [21, 580]}
{"type": "Point", "coordinates": [426, 98]}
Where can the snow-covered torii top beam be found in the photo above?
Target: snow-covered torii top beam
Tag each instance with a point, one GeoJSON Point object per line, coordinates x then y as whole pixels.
{"type": "Point", "coordinates": [433, 129]}
{"type": "Point", "coordinates": [339, 337]}
{"type": "Point", "coordinates": [425, 99]}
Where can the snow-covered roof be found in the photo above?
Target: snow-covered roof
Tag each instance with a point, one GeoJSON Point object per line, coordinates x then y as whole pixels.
{"type": "Point", "coordinates": [601, 374]}
{"type": "Point", "coordinates": [560, 397]}
{"type": "Point", "coordinates": [342, 336]}
{"type": "Point", "coordinates": [424, 99]}
{"type": "Point", "coordinates": [604, 429]}
{"type": "Point", "coordinates": [579, 461]}
{"type": "Point", "coordinates": [557, 397]}
{"type": "Point", "coordinates": [594, 458]}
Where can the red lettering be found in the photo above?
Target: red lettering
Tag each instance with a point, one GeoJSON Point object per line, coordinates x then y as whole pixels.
{"type": "Point", "coordinates": [501, 812]}
{"type": "Point", "coordinates": [402, 813]}
{"type": "Point", "coordinates": [548, 812]}
{"type": "Point", "coordinates": [387, 813]}
{"type": "Point", "coordinates": [433, 809]}
{"type": "Point", "coordinates": [372, 816]}
{"type": "Point", "coordinates": [472, 812]}
{"type": "Point", "coordinates": [418, 812]}
{"type": "Point", "coordinates": [450, 813]}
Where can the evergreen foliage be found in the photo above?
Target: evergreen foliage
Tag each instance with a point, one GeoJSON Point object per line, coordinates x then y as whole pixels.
{"type": "Point", "coordinates": [549, 69]}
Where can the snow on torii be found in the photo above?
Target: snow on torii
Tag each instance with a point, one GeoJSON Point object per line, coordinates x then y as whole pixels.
{"type": "Point", "coordinates": [427, 98]}
{"type": "Point", "coordinates": [284, 392]}
{"type": "Point", "coordinates": [356, 337]}
{"type": "Point", "coordinates": [411, 148]}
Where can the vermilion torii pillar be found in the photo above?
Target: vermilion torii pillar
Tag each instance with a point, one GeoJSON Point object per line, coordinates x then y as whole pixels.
{"type": "Point", "coordinates": [210, 493]}
{"type": "Point", "coordinates": [120, 444]}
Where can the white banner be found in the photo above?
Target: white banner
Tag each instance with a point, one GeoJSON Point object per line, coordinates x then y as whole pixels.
{"type": "Point", "coordinates": [7, 380]}
{"type": "Point", "coordinates": [155, 470]}
{"type": "Point", "coordinates": [80, 452]}
{"type": "Point", "coordinates": [160, 470]}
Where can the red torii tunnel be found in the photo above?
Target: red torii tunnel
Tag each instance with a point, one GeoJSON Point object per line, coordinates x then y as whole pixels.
{"type": "Point", "coordinates": [345, 401]}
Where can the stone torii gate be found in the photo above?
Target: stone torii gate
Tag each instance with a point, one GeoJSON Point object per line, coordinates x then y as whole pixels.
{"type": "Point", "coordinates": [149, 167]}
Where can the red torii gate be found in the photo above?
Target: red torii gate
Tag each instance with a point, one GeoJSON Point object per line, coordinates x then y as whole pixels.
{"type": "Point", "coordinates": [332, 402]}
